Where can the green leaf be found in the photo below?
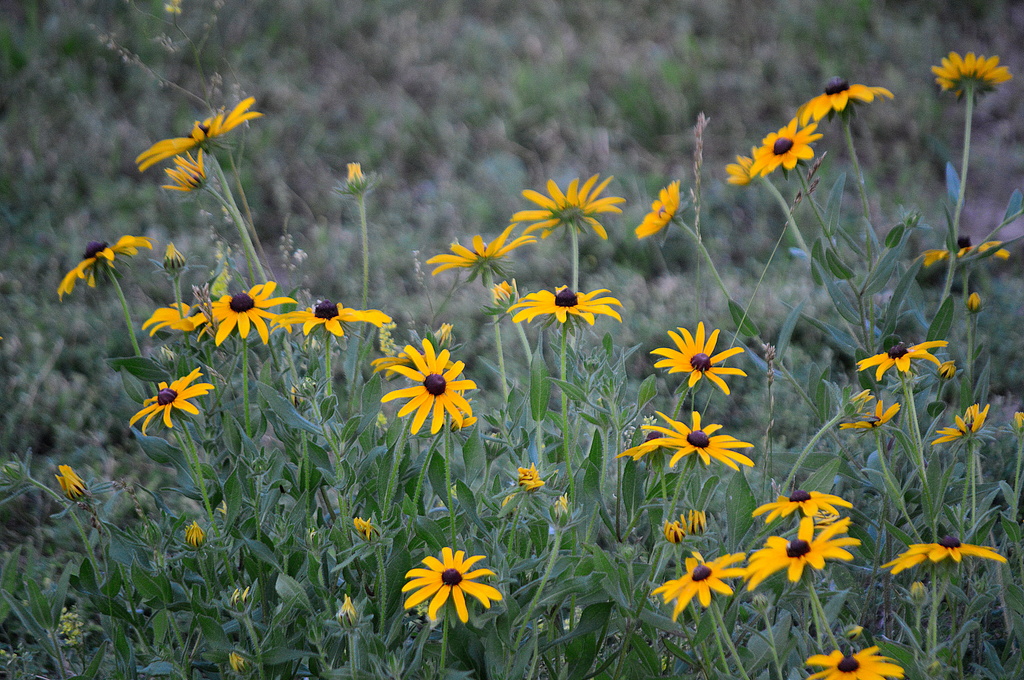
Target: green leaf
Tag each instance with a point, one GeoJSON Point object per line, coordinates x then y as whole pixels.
{"type": "Point", "coordinates": [834, 207]}
{"type": "Point", "coordinates": [952, 184]}
{"type": "Point", "coordinates": [939, 329]}
{"type": "Point", "coordinates": [895, 235]}
{"type": "Point", "coordinates": [540, 388]}
{"type": "Point", "coordinates": [284, 410]}
{"type": "Point", "coordinates": [592, 620]}
{"type": "Point", "coordinates": [823, 479]}
{"type": "Point", "coordinates": [1013, 208]}
{"type": "Point", "coordinates": [572, 390]}
{"type": "Point", "coordinates": [935, 409]}
{"type": "Point", "coordinates": [648, 390]}
{"type": "Point", "coordinates": [292, 592]}
{"type": "Point", "coordinates": [899, 293]}
{"type": "Point", "coordinates": [882, 272]}
{"type": "Point", "coordinates": [786, 332]}
{"type": "Point", "coordinates": [142, 368]}
{"type": "Point", "coordinates": [160, 450]}
{"type": "Point", "coordinates": [838, 268]}
{"type": "Point", "coordinates": [739, 507]}
{"type": "Point", "coordinates": [743, 323]}
{"type": "Point", "coordinates": [213, 633]}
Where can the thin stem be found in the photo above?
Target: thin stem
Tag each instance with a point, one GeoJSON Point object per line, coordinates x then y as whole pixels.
{"type": "Point", "coordinates": [894, 490]}
{"type": "Point", "coordinates": [245, 387]}
{"type": "Point", "coordinates": [915, 431]}
{"type": "Point", "coordinates": [396, 461]}
{"type": "Point", "coordinates": [861, 189]}
{"type": "Point", "coordinates": [807, 449]}
{"type": "Point", "coordinates": [720, 634]}
{"type": "Point", "coordinates": [819, 612]}
{"type": "Point", "coordinates": [566, 431]}
{"type": "Point", "coordinates": [192, 453]}
{"type": "Point", "coordinates": [448, 474]}
{"type": "Point", "coordinates": [329, 377]}
{"type": "Point", "coordinates": [228, 201]}
{"type": "Point", "coordinates": [444, 644]}
{"type": "Point", "coordinates": [574, 233]}
{"type": "Point", "coordinates": [790, 221]}
{"type": "Point", "coordinates": [127, 314]}
{"type": "Point", "coordinates": [549, 567]}
{"type": "Point", "coordinates": [962, 194]}
{"type": "Point", "coordinates": [366, 249]}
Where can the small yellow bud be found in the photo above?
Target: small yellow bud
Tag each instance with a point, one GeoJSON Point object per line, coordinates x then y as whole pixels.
{"type": "Point", "coordinates": [696, 522]}
{"type": "Point", "coordinates": [239, 597]}
{"type": "Point", "coordinates": [674, 532]}
{"type": "Point", "coordinates": [854, 632]}
{"type": "Point", "coordinates": [237, 661]}
{"type": "Point", "coordinates": [70, 483]}
{"type": "Point", "coordinates": [529, 478]}
{"type": "Point", "coordinates": [503, 292]}
{"type": "Point", "coordinates": [355, 172]}
{"type": "Point", "coordinates": [973, 303]}
{"type": "Point", "coordinates": [348, 615]}
{"type": "Point", "coordinates": [917, 592]}
{"type": "Point", "coordinates": [174, 261]}
{"type": "Point", "coordinates": [363, 527]}
{"type": "Point", "coordinates": [1018, 422]}
{"type": "Point", "coordinates": [194, 534]}
{"type": "Point", "coordinates": [561, 507]}
{"type": "Point", "coordinates": [947, 370]}
{"type": "Point", "coordinates": [444, 334]}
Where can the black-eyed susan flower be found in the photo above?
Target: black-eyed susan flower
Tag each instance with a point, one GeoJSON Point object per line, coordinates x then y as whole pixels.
{"type": "Point", "coordinates": [948, 548]}
{"type": "Point", "coordinates": [449, 578]}
{"type": "Point", "coordinates": [188, 173]}
{"type": "Point", "coordinates": [872, 419]}
{"type": "Point", "coordinates": [866, 664]}
{"type": "Point", "coordinates": [70, 483]}
{"type": "Point", "coordinates": [674, 532]}
{"type": "Point", "coordinates": [332, 317]}
{"type": "Point", "coordinates": [662, 211]}
{"type": "Point", "coordinates": [194, 534]}
{"type": "Point", "coordinates": [971, 422]}
{"type": "Point", "coordinates": [100, 254]}
{"type": "Point", "coordinates": [696, 522]}
{"type": "Point", "coordinates": [565, 305]}
{"type": "Point", "coordinates": [484, 257]}
{"type": "Point", "coordinates": [575, 208]}
{"type": "Point", "coordinates": [363, 527]}
{"type": "Point", "coordinates": [805, 550]}
{"type": "Point", "coordinates": [174, 261]}
{"type": "Point", "coordinates": [439, 390]}
{"type": "Point", "coordinates": [787, 147]}
{"type": "Point", "coordinates": [700, 579]}
{"type": "Point", "coordinates": [202, 132]}
{"type": "Point", "coordinates": [504, 293]}
{"type": "Point", "coordinates": [170, 397]}
{"type": "Point", "coordinates": [176, 316]}
{"type": "Point", "coordinates": [695, 354]}
{"type": "Point", "coordinates": [685, 440]}
{"type": "Point", "coordinates": [838, 95]}
{"type": "Point", "coordinates": [239, 598]}
{"type": "Point", "coordinates": [347, 615]}
{"type": "Point", "coordinates": [981, 73]}
{"type": "Point", "coordinates": [739, 172]}
{"type": "Point", "coordinates": [245, 310]}
{"type": "Point", "coordinates": [947, 370]}
{"type": "Point", "coordinates": [965, 248]}
{"type": "Point", "coordinates": [899, 355]}
{"type": "Point", "coordinates": [810, 503]}
{"type": "Point", "coordinates": [529, 478]}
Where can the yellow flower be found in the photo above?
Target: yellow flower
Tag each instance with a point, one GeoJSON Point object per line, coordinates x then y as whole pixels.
{"type": "Point", "coordinates": [173, 7]}
{"type": "Point", "coordinates": [978, 72]}
{"type": "Point", "coordinates": [246, 310]}
{"type": "Point", "coordinates": [529, 478]}
{"type": "Point", "coordinates": [439, 390]}
{"type": "Point", "coordinates": [947, 370]}
{"type": "Point", "coordinates": [202, 132]}
{"type": "Point", "coordinates": [866, 664]}
{"type": "Point", "coordinates": [806, 549]}
{"type": "Point", "coordinates": [331, 316]}
{"type": "Point", "coordinates": [674, 532]}
{"type": "Point", "coordinates": [662, 211]}
{"type": "Point", "coordinates": [565, 305]}
{"type": "Point", "coordinates": [964, 248]}
{"type": "Point", "coordinates": [871, 420]}
{"type": "Point", "coordinates": [809, 503]}
{"type": "Point", "coordinates": [347, 615]}
{"type": "Point", "coordinates": [560, 508]}
{"type": "Point", "coordinates": [696, 522]}
{"type": "Point", "coordinates": [174, 261]}
{"type": "Point", "coordinates": [177, 316]}
{"type": "Point", "coordinates": [99, 254]}
{"type": "Point", "coordinates": [239, 597]}
{"type": "Point", "coordinates": [899, 356]}
{"type": "Point", "coordinates": [949, 547]}
{"type": "Point", "coordinates": [575, 208]}
{"type": "Point", "coordinates": [1018, 421]}
{"type": "Point", "coordinates": [971, 423]}
{"type": "Point", "coordinates": [237, 661]}
{"type": "Point", "coordinates": [449, 578]}
{"type": "Point", "coordinates": [973, 303]}
{"type": "Point", "coordinates": [484, 257]}
{"type": "Point", "coordinates": [700, 579]}
{"type": "Point", "coordinates": [504, 292]}
{"type": "Point", "coordinates": [169, 397]}
{"type": "Point", "coordinates": [696, 355]}
{"type": "Point", "coordinates": [739, 172]}
{"type": "Point", "coordinates": [189, 173]}
{"type": "Point", "coordinates": [787, 147]}
{"type": "Point", "coordinates": [917, 592]}
{"type": "Point", "coordinates": [838, 94]}
{"type": "Point", "coordinates": [364, 527]}
{"type": "Point", "coordinates": [685, 440]}
{"type": "Point", "coordinates": [70, 483]}
{"type": "Point", "coordinates": [194, 534]}
{"type": "Point", "coordinates": [355, 172]}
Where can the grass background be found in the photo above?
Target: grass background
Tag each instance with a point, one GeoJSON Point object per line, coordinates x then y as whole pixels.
{"type": "Point", "coordinates": [459, 106]}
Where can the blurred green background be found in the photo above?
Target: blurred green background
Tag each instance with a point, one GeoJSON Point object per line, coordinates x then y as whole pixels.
{"type": "Point", "coordinates": [459, 106]}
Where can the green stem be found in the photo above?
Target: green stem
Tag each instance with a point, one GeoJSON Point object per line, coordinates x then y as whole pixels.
{"type": "Point", "coordinates": [227, 199]}
{"type": "Point", "coordinates": [962, 194]}
{"type": "Point", "coordinates": [819, 612]}
{"type": "Point", "coordinates": [807, 449]}
{"type": "Point", "coordinates": [127, 314]}
{"type": "Point", "coordinates": [192, 452]}
{"type": "Point", "coordinates": [448, 475]}
{"type": "Point", "coordinates": [894, 489]}
{"type": "Point", "coordinates": [366, 248]}
{"type": "Point", "coordinates": [329, 377]}
{"type": "Point", "coordinates": [915, 431]}
{"type": "Point", "coordinates": [794, 230]}
{"type": "Point", "coordinates": [444, 644]}
{"type": "Point", "coordinates": [861, 189]}
{"type": "Point", "coordinates": [566, 431]}
{"type": "Point", "coordinates": [720, 634]}
{"type": "Point", "coordinates": [549, 567]}
{"type": "Point", "coordinates": [396, 461]}
{"type": "Point", "coordinates": [245, 387]}
{"type": "Point", "coordinates": [575, 236]}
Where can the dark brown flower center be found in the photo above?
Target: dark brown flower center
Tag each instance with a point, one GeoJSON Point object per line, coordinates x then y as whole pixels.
{"type": "Point", "coordinates": [435, 384]}
{"type": "Point", "coordinates": [93, 247]}
{"type": "Point", "coordinates": [897, 351]}
{"type": "Point", "coordinates": [700, 572]}
{"type": "Point", "coordinates": [566, 298]}
{"type": "Point", "coordinates": [836, 85]}
{"type": "Point", "coordinates": [963, 242]}
{"type": "Point", "coordinates": [797, 548]}
{"type": "Point", "coordinates": [949, 542]}
{"type": "Point", "coordinates": [698, 438]}
{"type": "Point", "coordinates": [451, 577]}
{"type": "Point", "coordinates": [325, 309]}
{"type": "Point", "coordinates": [800, 496]}
{"type": "Point", "coordinates": [241, 303]}
{"type": "Point", "coordinates": [847, 665]}
{"type": "Point", "coordinates": [782, 145]}
{"type": "Point", "coordinates": [700, 362]}
{"type": "Point", "coordinates": [652, 435]}
{"type": "Point", "coordinates": [166, 396]}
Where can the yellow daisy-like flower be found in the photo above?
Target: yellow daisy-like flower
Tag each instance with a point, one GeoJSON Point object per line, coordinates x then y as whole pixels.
{"type": "Point", "coordinates": [973, 420]}
{"type": "Point", "coordinates": [871, 420]}
{"type": "Point", "coordinates": [188, 174]}
{"type": "Point", "coordinates": [101, 254]}
{"type": "Point", "coordinates": [194, 534]}
{"type": "Point", "coordinates": [899, 356]}
{"type": "Point", "coordinates": [565, 305]}
{"type": "Point", "coordinates": [839, 93]}
{"type": "Point", "coordinates": [575, 208]}
{"type": "Point", "coordinates": [866, 664]}
{"type": "Point", "coordinates": [202, 132]}
{"type": "Point", "coordinates": [810, 503]}
{"type": "Point", "coordinates": [529, 478]}
{"type": "Point", "coordinates": [700, 579]}
{"type": "Point", "coordinates": [948, 547]}
{"type": "Point", "coordinates": [787, 147]}
{"type": "Point", "coordinates": [964, 248]}
{"type": "Point", "coordinates": [739, 172]}
{"type": "Point", "coordinates": [237, 662]}
{"type": "Point", "coordinates": [662, 211]}
{"type": "Point", "coordinates": [696, 355]}
{"type": "Point", "coordinates": [483, 257]}
{"type": "Point", "coordinates": [331, 316]}
{"type": "Point", "coordinates": [440, 390]}
{"type": "Point", "coordinates": [169, 397]}
{"type": "Point", "coordinates": [363, 527]}
{"type": "Point", "coordinates": [947, 370]}
{"type": "Point", "coordinates": [805, 550]}
{"type": "Point", "coordinates": [686, 440]}
{"type": "Point", "coordinates": [958, 73]}
{"type": "Point", "coordinates": [447, 578]}
{"type": "Point", "coordinates": [696, 522]}
{"type": "Point", "coordinates": [246, 310]}
{"type": "Point", "coordinates": [70, 483]}
{"type": "Point", "coordinates": [674, 532]}
{"type": "Point", "coordinates": [176, 316]}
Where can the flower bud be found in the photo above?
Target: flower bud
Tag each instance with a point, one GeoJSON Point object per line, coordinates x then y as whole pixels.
{"type": "Point", "coordinates": [348, 616]}
{"type": "Point", "coordinates": [974, 303]}
{"type": "Point", "coordinates": [917, 592]}
{"type": "Point", "coordinates": [947, 370]}
{"type": "Point", "coordinates": [194, 534]}
{"type": "Point", "coordinates": [674, 532]}
{"type": "Point", "coordinates": [174, 261]}
{"type": "Point", "coordinates": [237, 661]}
